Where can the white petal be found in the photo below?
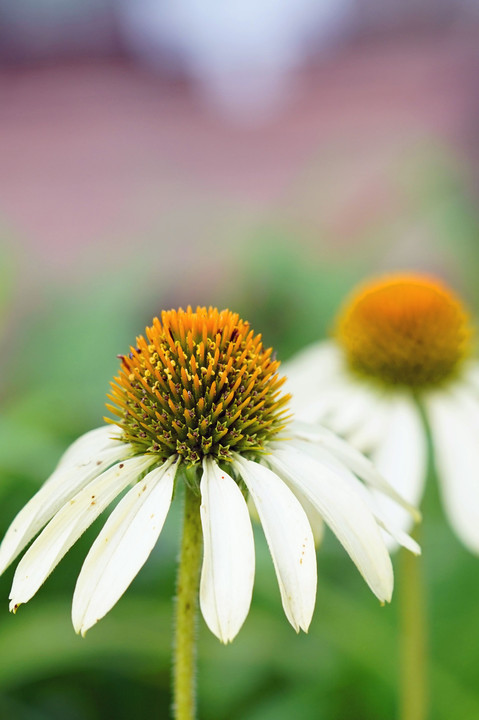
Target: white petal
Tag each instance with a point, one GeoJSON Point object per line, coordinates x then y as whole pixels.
{"type": "Point", "coordinates": [370, 432]}
{"type": "Point", "coordinates": [315, 519]}
{"type": "Point", "coordinates": [345, 513]}
{"type": "Point", "coordinates": [471, 374]}
{"type": "Point", "coordinates": [313, 366]}
{"type": "Point", "coordinates": [87, 446]}
{"type": "Point", "coordinates": [58, 489]}
{"type": "Point", "coordinates": [369, 496]}
{"type": "Point", "coordinates": [456, 454]}
{"type": "Point", "coordinates": [352, 413]}
{"type": "Point", "coordinates": [401, 459]}
{"type": "Point", "coordinates": [122, 547]}
{"type": "Point", "coordinates": [469, 403]}
{"type": "Point", "coordinates": [315, 377]}
{"type": "Point", "coordinates": [318, 406]}
{"type": "Point", "coordinates": [227, 575]}
{"type": "Point", "coordinates": [289, 538]}
{"type": "Point", "coordinates": [69, 524]}
{"type": "Point", "coordinates": [398, 536]}
{"type": "Point", "coordinates": [352, 458]}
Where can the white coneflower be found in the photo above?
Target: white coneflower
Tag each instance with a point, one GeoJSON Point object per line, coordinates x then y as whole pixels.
{"type": "Point", "coordinates": [402, 351]}
{"type": "Point", "coordinates": [198, 401]}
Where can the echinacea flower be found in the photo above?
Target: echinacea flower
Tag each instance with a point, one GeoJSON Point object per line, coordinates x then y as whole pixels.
{"type": "Point", "coordinates": [401, 360]}
{"type": "Point", "coordinates": [198, 402]}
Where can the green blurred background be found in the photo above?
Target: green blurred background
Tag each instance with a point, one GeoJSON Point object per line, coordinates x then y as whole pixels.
{"type": "Point", "coordinates": [125, 190]}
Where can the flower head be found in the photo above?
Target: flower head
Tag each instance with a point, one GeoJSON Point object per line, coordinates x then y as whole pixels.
{"type": "Point", "coordinates": [200, 385]}
{"type": "Point", "coordinates": [405, 330]}
{"type": "Point", "coordinates": [402, 347]}
{"type": "Point", "coordinates": [198, 400]}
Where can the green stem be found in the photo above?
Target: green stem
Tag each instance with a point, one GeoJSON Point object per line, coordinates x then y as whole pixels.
{"type": "Point", "coordinates": [413, 639]}
{"type": "Point", "coordinates": [184, 707]}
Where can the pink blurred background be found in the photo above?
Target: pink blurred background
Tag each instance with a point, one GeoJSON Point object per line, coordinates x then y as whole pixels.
{"type": "Point", "coordinates": [175, 130]}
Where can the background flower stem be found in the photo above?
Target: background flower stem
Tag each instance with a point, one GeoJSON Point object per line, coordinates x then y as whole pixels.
{"type": "Point", "coordinates": [414, 681]}
{"type": "Point", "coordinates": [184, 700]}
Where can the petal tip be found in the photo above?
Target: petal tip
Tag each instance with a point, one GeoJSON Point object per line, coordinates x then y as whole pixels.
{"type": "Point", "coordinates": [386, 598]}
{"type": "Point", "coordinates": [416, 514]}
{"type": "Point", "coordinates": [81, 628]}
{"type": "Point", "coordinates": [13, 606]}
{"type": "Point", "coordinates": [224, 636]}
{"type": "Point", "coordinates": [226, 640]}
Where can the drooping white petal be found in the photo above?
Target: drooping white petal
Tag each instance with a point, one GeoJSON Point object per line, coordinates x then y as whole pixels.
{"type": "Point", "coordinates": [315, 519]}
{"type": "Point", "coordinates": [401, 458]}
{"type": "Point", "coordinates": [325, 358]}
{"type": "Point", "coordinates": [88, 446]}
{"type": "Point", "coordinates": [344, 511]}
{"type": "Point", "coordinates": [470, 373]}
{"type": "Point", "coordinates": [456, 456]}
{"type": "Point", "coordinates": [398, 536]}
{"type": "Point", "coordinates": [368, 434]}
{"type": "Point", "coordinates": [368, 495]}
{"type": "Point", "coordinates": [69, 524]}
{"type": "Point", "coordinates": [317, 407]}
{"type": "Point", "coordinates": [315, 377]}
{"type": "Point", "coordinates": [352, 458]}
{"type": "Point", "coordinates": [460, 394]}
{"type": "Point", "coordinates": [289, 538]}
{"type": "Point", "coordinates": [227, 575]}
{"type": "Point", "coordinates": [352, 413]}
{"type": "Point", "coordinates": [58, 489]}
{"type": "Point", "coordinates": [122, 547]}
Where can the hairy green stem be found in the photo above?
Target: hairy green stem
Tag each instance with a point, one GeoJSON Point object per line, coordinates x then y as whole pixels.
{"type": "Point", "coordinates": [413, 639]}
{"type": "Point", "coordinates": [184, 700]}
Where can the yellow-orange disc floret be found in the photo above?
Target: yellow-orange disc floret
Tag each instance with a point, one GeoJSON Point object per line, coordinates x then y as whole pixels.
{"type": "Point", "coordinates": [405, 330]}
{"type": "Point", "coordinates": [199, 384]}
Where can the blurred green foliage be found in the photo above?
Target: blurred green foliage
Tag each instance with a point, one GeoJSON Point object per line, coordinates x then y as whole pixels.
{"type": "Point", "coordinates": [61, 356]}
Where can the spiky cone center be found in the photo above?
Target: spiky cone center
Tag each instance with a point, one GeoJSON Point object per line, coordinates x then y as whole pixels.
{"type": "Point", "coordinates": [199, 384]}
{"type": "Point", "coordinates": [407, 330]}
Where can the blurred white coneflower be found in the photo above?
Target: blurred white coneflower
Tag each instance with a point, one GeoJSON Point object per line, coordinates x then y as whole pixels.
{"type": "Point", "coordinates": [401, 352]}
